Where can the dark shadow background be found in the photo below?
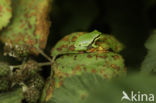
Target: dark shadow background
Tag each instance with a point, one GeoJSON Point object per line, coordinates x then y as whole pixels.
{"type": "Point", "coordinates": [130, 21]}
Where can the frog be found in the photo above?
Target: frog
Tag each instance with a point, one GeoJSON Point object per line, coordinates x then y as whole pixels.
{"type": "Point", "coordinates": [87, 40]}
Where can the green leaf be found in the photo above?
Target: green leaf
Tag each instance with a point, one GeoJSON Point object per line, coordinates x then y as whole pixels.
{"type": "Point", "coordinates": [29, 27]}
{"type": "Point", "coordinates": [66, 44]}
{"type": "Point", "coordinates": [89, 88]}
{"type": "Point", "coordinates": [5, 13]}
{"type": "Point", "coordinates": [149, 63]}
{"type": "Point", "coordinates": [108, 65]}
{"type": "Point", "coordinates": [75, 88]}
{"type": "Point", "coordinates": [11, 97]}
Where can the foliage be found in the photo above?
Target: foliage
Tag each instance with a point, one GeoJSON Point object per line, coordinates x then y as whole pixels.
{"type": "Point", "coordinates": [108, 65]}
{"type": "Point", "coordinates": [89, 88]}
{"type": "Point", "coordinates": [29, 27]}
{"type": "Point", "coordinates": [14, 96]}
{"type": "Point", "coordinates": [83, 57]}
{"type": "Point", "coordinates": [149, 63]}
{"type": "Point", "coordinates": [5, 13]}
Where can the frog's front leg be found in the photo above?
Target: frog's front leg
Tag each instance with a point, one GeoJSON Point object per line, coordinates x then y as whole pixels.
{"type": "Point", "coordinates": [94, 43]}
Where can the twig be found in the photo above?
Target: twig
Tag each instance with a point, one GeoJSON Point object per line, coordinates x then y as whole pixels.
{"type": "Point", "coordinates": [44, 64]}
{"type": "Point", "coordinates": [45, 55]}
{"type": "Point", "coordinates": [39, 64]}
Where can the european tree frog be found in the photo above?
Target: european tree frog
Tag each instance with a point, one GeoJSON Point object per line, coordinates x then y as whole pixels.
{"type": "Point", "coordinates": [86, 40]}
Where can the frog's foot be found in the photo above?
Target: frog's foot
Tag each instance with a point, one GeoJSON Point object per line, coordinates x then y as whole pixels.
{"type": "Point", "coordinates": [94, 46]}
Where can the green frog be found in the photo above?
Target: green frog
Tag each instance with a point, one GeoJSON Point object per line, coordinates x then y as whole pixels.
{"type": "Point", "coordinates": [87, 40]}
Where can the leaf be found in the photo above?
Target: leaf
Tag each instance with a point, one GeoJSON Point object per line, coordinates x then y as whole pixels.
{"type": "Point", "coordinates": [66, 44]}
{"type": "Point", "coordinates": [11, 97]}
{"type": "Point", "coordinates": [89, 88]}
{"type": "Point", "coordinates": [47, 90]}
{"type": "Point", "coordinates": [108, 65]}
{"type": "Point", "coordinates": [149, 63]}
{"type": "Point", "coordinates": [76, 87]}
{"type": "Point", "coordinates": [29, 27]}
{"type": "Point", "coordinates": [5, 13]}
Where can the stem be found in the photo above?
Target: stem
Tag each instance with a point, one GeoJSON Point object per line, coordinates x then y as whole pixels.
{"type": "Point", "coordinates": [39, 64]}
{"type": "Point", "coordinates": [45, 55]}
{"type": "Point", "coordinates": [44, 64]}
{"type": "Point", "coordinates": [15, 66]}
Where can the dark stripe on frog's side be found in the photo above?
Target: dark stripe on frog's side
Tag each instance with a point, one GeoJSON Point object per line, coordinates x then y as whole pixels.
{"type": "Point", "coordinates": [90, 45]}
